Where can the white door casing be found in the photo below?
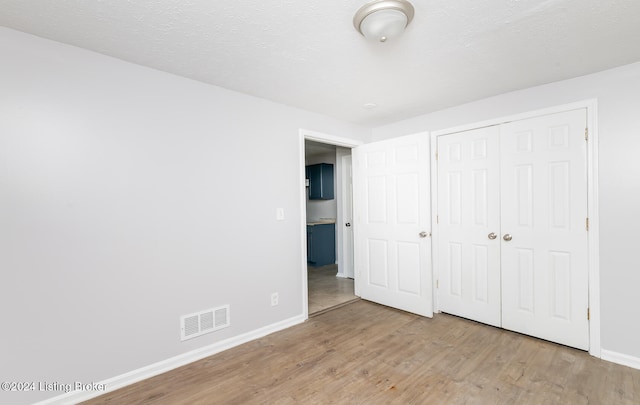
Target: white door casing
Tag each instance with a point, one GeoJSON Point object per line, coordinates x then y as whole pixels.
{"type": "Point", "coordinates": [544, 209]}
{"type": "Point", "coordinates": [305, 134]}
{"type": "Point", "coordinates": [391, 210]}
{"type": "Point", "coordinates": [347, 222]}
{"type": "Point", "coordinates": [469, 224]}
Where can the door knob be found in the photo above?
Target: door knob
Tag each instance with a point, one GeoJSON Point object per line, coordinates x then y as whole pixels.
{"type": "Point", "coordinates": [492, 235]}
{"type": "Point", "coordinates": [424, 234]}
{"type": "Point", "coordinates": [507, 237]}
{"type": "Point", "coordinates": [348, 224]}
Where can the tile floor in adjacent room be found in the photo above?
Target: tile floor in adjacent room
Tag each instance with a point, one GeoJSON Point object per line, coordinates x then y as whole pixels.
{"type": "Point", "coordinates": [326, 290]}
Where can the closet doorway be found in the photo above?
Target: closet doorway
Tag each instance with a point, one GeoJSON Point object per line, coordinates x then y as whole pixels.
{"type": "Point", "coordinates": [512, 219]}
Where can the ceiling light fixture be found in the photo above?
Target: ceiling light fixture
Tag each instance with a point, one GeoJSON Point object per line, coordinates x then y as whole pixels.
{"type": "Point", "coordinates": [382, 20]}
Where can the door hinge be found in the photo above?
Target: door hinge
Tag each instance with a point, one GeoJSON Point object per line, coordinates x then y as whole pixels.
{"type": "Point", "coordinates": [436, 155]}
{"type": "Point", "coordinates": [588, 314]}
{"type": "Point", "coordinates": [587, 224]}
{"type": "Point", "coordinates": [437, 219]}
{"type": "Point", "coordinates": [437, 283]}
{"type": "Point", "coordinates": [586, 134]}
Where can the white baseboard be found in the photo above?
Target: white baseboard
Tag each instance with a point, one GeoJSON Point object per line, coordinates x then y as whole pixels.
{"type": "Point", "coordinates": [163, 366]}
{"type": "Point", "coordinates": [619, 358]}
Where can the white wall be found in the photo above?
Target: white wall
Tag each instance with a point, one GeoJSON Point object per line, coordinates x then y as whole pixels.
{"type": "Point", "coordinates": [618, 94]}
{"type": "Point", "coordinates": [129, 197]}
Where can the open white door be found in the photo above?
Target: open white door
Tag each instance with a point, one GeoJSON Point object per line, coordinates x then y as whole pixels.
{"type": "Point", "coordinates": [392, 223]}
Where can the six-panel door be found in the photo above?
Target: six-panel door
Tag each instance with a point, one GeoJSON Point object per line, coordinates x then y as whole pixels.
{"type": "Point", "coordinates": [392, 258]}
{"type": "Point", "coordinates": [469, 224]}
{"type": "Point", "coordinates": [544, 210]}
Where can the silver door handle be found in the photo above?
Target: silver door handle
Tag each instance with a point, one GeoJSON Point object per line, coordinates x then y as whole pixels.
{"type": "Point", "coordinates": [424, 234]}
{"type": "Point", "coordinates": [492, 235]}
{"type": "Point", "coordinates": [507, 237]}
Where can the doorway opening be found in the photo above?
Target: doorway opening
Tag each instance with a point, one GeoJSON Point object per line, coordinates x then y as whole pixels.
{"type": "Point", "coordinates": [327, 239]}
{"type": "Point", "coordinates": [329, 281]}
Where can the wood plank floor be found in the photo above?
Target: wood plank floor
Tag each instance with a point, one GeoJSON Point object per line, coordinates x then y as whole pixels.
{"type": "Point", "coordinates": [364, 353]}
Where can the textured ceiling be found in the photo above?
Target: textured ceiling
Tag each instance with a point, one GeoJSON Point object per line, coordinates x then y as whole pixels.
{"type": "Point", "coordinates": [307, 53]}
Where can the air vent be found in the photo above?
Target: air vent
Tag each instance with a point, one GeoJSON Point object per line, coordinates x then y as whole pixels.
{"type": "Point", "coordinates": [222, 317]}
{"type": "Point", "coordinates": [199, 323]}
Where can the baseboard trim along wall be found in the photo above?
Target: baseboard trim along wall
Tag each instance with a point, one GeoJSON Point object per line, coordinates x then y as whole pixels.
{"type": "Point", "coordinates": [160, 367]}
{"type": "Point", "coordinates": [619, 358]}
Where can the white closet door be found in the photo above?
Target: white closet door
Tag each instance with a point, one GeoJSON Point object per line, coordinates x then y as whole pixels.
{"type": "Point", "coordinates": [544, 211]}
{"type": "Point", "coordinates": [391, 210]}
{"type": "Point", "coordinates": [469, 224]}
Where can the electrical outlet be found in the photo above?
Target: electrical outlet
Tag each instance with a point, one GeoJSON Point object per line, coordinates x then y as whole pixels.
{"type": "Point", "coordinates": [274, 299]}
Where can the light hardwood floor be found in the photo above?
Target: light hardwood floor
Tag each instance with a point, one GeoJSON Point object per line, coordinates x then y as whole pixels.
{"type": "Point", "coordinates": [326, 290]}
{"type": "Point", "coordinates": [364, 353]}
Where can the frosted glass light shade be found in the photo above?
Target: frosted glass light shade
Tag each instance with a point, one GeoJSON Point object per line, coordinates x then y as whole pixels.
{"type": "Point", "coordinates": [383, 25]}
{"type": "Point", "coordinates": [381, 20]}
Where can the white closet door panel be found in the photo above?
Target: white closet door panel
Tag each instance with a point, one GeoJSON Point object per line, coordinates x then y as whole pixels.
{"type": "Point", "coordinates": [468, 211]}
{"type": "Point", "coordinates": [544, 209]}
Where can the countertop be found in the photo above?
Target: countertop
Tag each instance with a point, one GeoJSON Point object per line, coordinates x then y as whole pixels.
{"type": "Point", "coordinates": [322, 222]}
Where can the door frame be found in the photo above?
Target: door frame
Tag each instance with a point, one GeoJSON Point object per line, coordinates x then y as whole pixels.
{"type": "Point", "coordinates": [591, 105]}
{"type": "Point", "coordinates": [344, 161]}
{"type": "Point", "coordinates": [308, 135]}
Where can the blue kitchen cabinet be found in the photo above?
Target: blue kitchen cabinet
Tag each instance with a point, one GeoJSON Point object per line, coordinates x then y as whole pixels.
{"type": "Point", "coordinates": [321, 244]}
{"type": "Point", "coordinates": [320, 181]}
